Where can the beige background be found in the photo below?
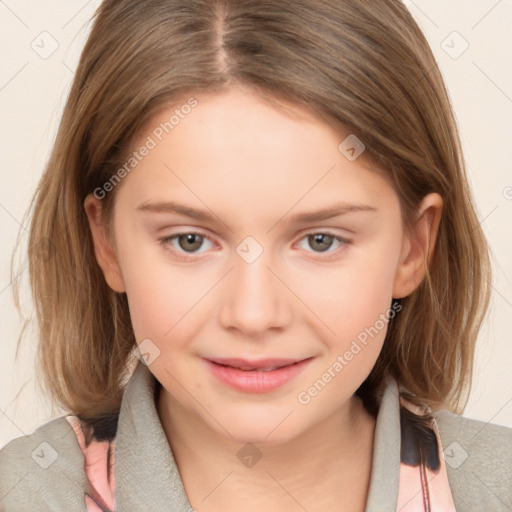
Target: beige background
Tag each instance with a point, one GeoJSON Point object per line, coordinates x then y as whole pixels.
{"type": "Point", "coordinates": [41, 42]}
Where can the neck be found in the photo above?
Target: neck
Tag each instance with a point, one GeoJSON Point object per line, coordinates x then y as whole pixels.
{"type": "Point", "coordinates": [333, 458]}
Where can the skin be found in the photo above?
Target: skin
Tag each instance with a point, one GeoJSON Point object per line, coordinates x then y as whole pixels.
{"type": "Point", "coordinates": [253, 166]}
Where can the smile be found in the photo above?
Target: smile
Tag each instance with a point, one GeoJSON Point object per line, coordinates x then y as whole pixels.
{"type": "Point", "coordinates": [257, 376]}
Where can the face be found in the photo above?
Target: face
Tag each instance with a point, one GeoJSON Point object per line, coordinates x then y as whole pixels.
{"type": "Point", "coordinates": [227, 278]}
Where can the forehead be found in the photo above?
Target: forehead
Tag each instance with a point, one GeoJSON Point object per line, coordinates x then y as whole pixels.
{"type": "Point", "coordinates": [235, 148]}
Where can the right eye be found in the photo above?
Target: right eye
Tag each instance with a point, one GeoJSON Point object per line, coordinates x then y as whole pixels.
{"type": "Point", "coordinates": [187, 243]}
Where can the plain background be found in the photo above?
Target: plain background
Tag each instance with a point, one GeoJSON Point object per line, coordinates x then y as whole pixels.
{"type": "Point", "coordinates": [41, 43]}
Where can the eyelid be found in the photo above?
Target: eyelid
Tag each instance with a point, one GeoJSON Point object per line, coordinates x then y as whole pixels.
{"type": "Point", "coordinates": [341, 239]}
{"type": "Point", "coordinates": [165, 241]}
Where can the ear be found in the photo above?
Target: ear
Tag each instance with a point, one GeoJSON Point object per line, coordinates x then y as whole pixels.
{"type": "Point", "coordinates": [418, 247]}
{"type": "Point", "coordinates": [103, 246]}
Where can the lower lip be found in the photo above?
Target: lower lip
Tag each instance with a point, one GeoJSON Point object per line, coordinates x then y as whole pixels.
{"type": "Point", "coordinates": [255, 381]}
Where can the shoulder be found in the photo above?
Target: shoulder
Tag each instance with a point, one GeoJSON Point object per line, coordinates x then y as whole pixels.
{"type": "Point", "coordinates": [478, 459]}
{"type": "Point", "coordinates": [43, 471]}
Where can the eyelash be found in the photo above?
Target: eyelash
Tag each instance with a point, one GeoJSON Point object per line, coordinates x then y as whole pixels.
{"type": "Point", "coordinates": [166, 241]}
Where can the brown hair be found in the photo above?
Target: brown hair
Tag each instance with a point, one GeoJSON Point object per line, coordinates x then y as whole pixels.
{"type": "Point", "coordinates": [364, 66]}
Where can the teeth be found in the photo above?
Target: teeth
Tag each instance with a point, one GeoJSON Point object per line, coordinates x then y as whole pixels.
{"type": "Point", "coordinates": [266, 369]}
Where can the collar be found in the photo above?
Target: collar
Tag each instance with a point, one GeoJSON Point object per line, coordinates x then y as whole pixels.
{"type": "Point", "coordinates": [144, 458]}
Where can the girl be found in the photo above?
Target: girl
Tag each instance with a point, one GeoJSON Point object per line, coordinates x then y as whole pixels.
{"type": "Point", "coordinates": [206, 148]}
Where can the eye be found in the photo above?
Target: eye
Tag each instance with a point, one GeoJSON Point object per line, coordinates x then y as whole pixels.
{"type": "Point", "coordinates": [322, 241]}
{"type": "Point", "coordinates": [187, 243]}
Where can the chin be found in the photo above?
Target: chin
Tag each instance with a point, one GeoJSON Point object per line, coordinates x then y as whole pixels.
{"type": "Point", "coordinates": [261, 428]}
{"type": "Point", "coordinates": [261, 437]}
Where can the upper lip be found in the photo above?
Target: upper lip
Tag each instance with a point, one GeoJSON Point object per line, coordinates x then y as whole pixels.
{"type": "Point", "coordinates": [254, 364]}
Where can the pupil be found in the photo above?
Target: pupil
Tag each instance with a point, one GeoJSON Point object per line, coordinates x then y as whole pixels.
{"type": "Point", "coordinates": [321, 239]}
{"type": "Point", "coordinates": [190, 241]}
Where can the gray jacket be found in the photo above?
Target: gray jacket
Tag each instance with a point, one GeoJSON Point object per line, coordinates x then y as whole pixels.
{"type": "Point", "coordinates": [478, 457]}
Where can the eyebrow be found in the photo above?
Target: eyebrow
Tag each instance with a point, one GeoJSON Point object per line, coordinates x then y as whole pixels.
{"type": "Point", "coordinates": [172, 207]}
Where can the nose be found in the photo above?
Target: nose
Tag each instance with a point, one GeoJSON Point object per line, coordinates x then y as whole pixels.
{"type": "Point", "coordinates": [255, 297]}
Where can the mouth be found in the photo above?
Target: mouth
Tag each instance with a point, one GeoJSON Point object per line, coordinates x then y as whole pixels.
{"type": "Point", "coordinates": [257, 376]}
{"type": "Point", "coordinates": [263, 365]}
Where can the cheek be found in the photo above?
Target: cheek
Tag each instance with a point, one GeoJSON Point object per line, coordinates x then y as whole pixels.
{"type": "Point", "coordinates": [161, 296]}
{"type": "Point", "coordinates": [352, 296]}
{"type": "Point", "coordinates": [354, 301]}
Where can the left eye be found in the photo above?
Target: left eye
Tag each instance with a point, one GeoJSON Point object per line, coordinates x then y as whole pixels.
{"type": "Point", "coordinates": [323, 241]}
{"type": "Point", "coordinates": [189, 243]}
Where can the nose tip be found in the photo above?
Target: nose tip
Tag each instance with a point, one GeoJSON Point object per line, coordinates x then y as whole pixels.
{"type": "Point", "coordinates": [254, 298]}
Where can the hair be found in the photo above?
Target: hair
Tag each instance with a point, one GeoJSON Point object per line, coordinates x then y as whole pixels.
{"type": "Point", "coordinates": [364, 67]}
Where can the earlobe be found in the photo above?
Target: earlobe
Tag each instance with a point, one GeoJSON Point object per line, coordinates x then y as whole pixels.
{"type": "Point", "coordinates": [418, 247]}
{"type": "Point", "coordinates": [103, 249]}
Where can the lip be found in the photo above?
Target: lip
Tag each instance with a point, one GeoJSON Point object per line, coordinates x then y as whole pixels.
{"type": "Point", "coordinates": [228, 371]}
{"type": "Point", "coordinates": [247, 364]}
